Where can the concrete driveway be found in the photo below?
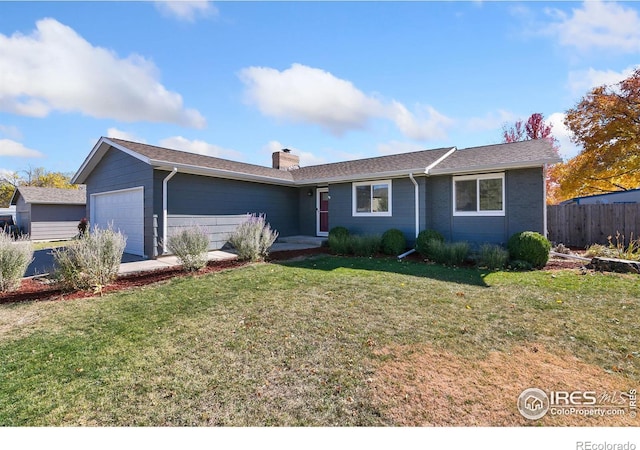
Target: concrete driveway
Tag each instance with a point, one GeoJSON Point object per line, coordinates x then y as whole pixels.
{"type": "Point", "coordinates": [43, 262]}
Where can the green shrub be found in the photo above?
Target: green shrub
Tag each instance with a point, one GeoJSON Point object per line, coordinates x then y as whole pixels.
{"type": "Point", "coordinates": [365, 245]}
{"type": "Point", "coordinates": [531, 247]}
{"type": "Point", "coordinates": [493, 257]}
{"type": "Point", "coordinates": [15, 257]}
{"type": "Point", "coordinates": [423, 240]}
{"type": "Point", "coordinates": [91, 262]}
{"type": "Point", "coordinates": [393, 242]}
{"type": "Point", "coordinates": [190, 246]}
{"type": "Point", "coordinates": [449, 254]}
{"type": "Point", "coordinates": [339, 232]}
{"type": "Point", "coordinates": [339, 244]}
{"type": "Point", "coordinates": [520, 265]}
{"type": "Point", "coordinates": [253, 238]}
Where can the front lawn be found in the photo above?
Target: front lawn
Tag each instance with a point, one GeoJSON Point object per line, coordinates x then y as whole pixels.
{"type": "Point", "coordinates": [324, 341]}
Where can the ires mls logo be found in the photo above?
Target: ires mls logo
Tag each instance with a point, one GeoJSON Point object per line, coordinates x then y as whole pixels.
{"type": "Point", "coordinates": [534, 403]}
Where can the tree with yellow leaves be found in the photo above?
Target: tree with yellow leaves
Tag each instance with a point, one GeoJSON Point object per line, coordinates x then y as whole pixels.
{"type": "Point", "coordinates": [606, 123]}
{"type": "Point", "coordinates": [38, 176]}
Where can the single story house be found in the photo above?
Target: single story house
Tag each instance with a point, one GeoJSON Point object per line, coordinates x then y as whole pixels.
{"type": "Point", "coordinates": [628, 196]}
{"type": "Point", "coordinates": [481, 194]}
{"type": "Point", "coordinates": [49, 213]}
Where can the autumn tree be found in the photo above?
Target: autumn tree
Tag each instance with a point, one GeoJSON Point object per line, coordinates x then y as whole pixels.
{"type": "Point", "coordinates": [38, 177]}
{"type": "Point", "coordinates": [606, 124]}
{"type": "Point", "coordinates": [536, 128]}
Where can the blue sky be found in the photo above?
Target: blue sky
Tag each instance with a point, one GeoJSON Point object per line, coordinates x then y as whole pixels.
{"type": "Point", "coordinates": [330, 80]}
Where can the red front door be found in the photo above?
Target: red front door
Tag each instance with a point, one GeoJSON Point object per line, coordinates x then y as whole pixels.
{"type": "Point", "coordinates": [322, 208]}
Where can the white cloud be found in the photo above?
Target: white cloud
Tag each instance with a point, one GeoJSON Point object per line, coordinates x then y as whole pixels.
{"type": "Point", "coordinates": [309, 95]}
{"type": "Point", "coordinates": [13, 148]}
{"type": "Point", "coordinates": [125, 135]}
{"type": "Point", "coordinates": [491, 121]}
{"type": "Point", "coordinates": [199, 147]}
{"type": "Point", "coordinates": [187, 10]}
{"type": "Point", "coordinates": [394, 147]}
{"type": "Point", "coordinates": [10, 131]}
{"type": "Point", "coordinates": [597, 25]}
{"type": "Point", "coordinates": [582, 81]}
{"type": "Point", "coordinates": [567, 148]}
{"type": "Point", "coordinates": [56, 69]}
{"type": "Point", "coordinates": [306, 158]}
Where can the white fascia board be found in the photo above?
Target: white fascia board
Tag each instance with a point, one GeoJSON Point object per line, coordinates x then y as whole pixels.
{"type": "Point", "coordinates": [96, 155]}
{"type": "Point", "coordinates": [362, 177]}
{"type": "Point", "coordinates": [492, 167]}
{"type": "Point", "coordinates": [221, 173]}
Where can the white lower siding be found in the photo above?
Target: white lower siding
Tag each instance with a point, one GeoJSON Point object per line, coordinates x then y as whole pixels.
{"type": "Point", "coordinates": [218, 228]}
{"type": "Point", "coordinates": [53, 230]}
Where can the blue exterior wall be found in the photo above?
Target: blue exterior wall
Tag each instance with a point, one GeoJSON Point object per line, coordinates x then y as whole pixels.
{"type": "Point", "coordinates": [524, 203]}
{"type": "Point", "coordinates": [201, 195]}
{"type": "Point", "coordinates": [307, 211]}
{"type": "Point", "coordinates": [116, 171]}
{"type": "Point", "coordinates": [402, 210]}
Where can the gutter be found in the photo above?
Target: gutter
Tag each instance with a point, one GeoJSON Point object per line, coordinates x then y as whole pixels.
{"type": "Point", "coordinates": [416, 196]}
{"type": "Point", "coordinates": [165, 225]}
{"type": "Point", "coordinates": [428, 169]}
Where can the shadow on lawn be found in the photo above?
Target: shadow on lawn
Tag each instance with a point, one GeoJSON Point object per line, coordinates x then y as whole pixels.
{"type": "Point", "coordinates": [470, 276]}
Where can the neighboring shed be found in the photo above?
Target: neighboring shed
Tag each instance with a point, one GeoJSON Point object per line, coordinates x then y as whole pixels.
{"type": "Point", "coordinates": [49, 213]}
{"type": "Point", "coordinates": [628, 196]}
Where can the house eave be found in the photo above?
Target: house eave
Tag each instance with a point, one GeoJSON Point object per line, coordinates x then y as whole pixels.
{"type": "Point", "coordinates": [96, 154]}
{"type": "Point", "coordinates": [493, 167]}
{"type": "Point", "coordinates": [220, 173]}
{"type": "Point", "coordinates": [361, 177]}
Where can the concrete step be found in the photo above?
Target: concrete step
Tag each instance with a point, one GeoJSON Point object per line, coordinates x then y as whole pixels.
{"type": "Point", "coordinates": [307, 240]}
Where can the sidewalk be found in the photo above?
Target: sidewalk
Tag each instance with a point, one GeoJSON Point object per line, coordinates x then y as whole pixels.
{"type": "Point", "coordinates": [162, 262]}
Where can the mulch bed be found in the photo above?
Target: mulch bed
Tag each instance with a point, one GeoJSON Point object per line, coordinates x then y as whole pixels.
{"type": "Point", "coordinates": [36, 289]}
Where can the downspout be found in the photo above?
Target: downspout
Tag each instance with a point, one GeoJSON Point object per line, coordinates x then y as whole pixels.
{"type": "Point", "coordinates": [544, 201]}
{"type": "Point", "coordinates": [165, 225]}
{"type": "Point", "coordinates": [416, 193]}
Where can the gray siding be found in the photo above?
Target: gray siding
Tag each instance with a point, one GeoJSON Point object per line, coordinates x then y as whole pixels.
{"type": "Point", "coordinates": [49, 222]}
{"type": "Point", "coordinates": [116, 171]}
{"type": "Point", "coordinates": [23, 215]}
{"type": "Point", "coordinates": [307, 211]}
{"type": "Point", "coordinates": [523, 209]}
{"type": "Point", "coordinates": [402, 210]}
{"type": "Point", "coordinates": [199, 195]}
{"type": "Point", "coordinates": [525, 201]}
{"type": "Point", "coordinates": [218, 228]}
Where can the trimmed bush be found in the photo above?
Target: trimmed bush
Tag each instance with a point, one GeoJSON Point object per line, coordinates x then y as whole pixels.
{"type": "Point", "coordinates": [253, 238]}
{"type": "Point", "coordinates": [423, 240]}
{"type": "Point", "coordinates": [191, 246]}
{"type": "Point", "coordinates": [15, 257]}
{"type": "Point", "coordinates": [393, 242]}
{"type": "Point", "coordinates": [531, 247]}
{"type": "Point", "coordinates": [91, 262]}
{"type": "Point", "coordinates": [338, 232]}
{"type": "Point", "coordinates": [449, 254]}
{"type": "Point", "coordinates": [493, 257]}
{"type": "Point", "coordinates": [365, 245]}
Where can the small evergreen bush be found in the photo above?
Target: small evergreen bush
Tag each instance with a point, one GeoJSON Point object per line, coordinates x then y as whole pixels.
{"type": "Point", "coordinates": [423, 240]}
{"type": "Point", "coordinates": [191, 246]}
{"type": "Point", "coordinates": [393, 242]}
{"type": "Point", "coordinates": [339, 232]}
{"type": "Point", "coordinates": [493, 257]}
{"type": "Point", "coordinates": [531, 247]}
{"type": "Point", "coordinates": [91, 262]}
{"type": "Point", "coordinates": [449, 254]}
{"type": "Point", "coordinates": [253, 238]}
{"type": "Point", "coordinates": [365, 245]}
{"type": "Point", "coordinates": [15, 257]}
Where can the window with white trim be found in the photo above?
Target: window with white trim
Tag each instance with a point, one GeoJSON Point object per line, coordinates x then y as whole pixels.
{"type": "Point", "coordinates": [372, 198]}
{"type": "Point", "coordinates": [479, 195]}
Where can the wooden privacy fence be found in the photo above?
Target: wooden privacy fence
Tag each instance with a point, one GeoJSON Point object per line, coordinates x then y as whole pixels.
{"type": "Point", "coordinates": [583, 225]}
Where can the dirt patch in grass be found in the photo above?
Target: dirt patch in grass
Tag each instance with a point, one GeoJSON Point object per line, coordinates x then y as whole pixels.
{"type": "Point", "coordinates": [424, 386]}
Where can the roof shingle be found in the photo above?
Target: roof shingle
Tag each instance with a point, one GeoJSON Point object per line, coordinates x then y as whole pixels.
{"type": "Point", "coordinates": [41, 195]}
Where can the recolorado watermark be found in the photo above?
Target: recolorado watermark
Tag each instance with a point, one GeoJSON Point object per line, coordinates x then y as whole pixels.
{"type": "Point", "coordinates": [534, 403]}
{"type": "Point", "coordinates": [589, 445]}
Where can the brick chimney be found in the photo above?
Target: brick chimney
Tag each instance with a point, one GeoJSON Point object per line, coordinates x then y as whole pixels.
{"type": "Point", "coordinates": [285, 160]}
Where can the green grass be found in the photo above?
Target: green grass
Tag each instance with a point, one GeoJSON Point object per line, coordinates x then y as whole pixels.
{"type": "Point", "coordinates": [288, 344]}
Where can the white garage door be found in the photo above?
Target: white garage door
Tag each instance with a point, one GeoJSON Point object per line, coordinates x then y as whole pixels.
{"type": "Point", "coordinates": [124, 210]}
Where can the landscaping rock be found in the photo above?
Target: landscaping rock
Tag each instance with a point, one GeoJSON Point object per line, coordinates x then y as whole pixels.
{"type": "Point", "coordinates": [614, 265]}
